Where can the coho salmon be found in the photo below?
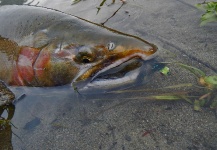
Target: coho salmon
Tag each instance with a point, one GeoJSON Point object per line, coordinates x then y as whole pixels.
{"type": "Point", "coordinates": [46, 47]}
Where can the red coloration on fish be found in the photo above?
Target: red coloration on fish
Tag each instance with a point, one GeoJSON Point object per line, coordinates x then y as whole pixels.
{"type": "Point", "coordinates": [24, 66]}
{"type": "Point", "coordinates": [41, 64]}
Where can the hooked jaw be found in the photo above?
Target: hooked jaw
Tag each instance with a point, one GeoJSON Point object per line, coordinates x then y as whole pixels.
{"type": "Point", "coordinates": [117, 68]}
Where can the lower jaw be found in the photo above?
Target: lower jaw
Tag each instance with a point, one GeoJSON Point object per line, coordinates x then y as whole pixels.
{"type": "Point", "coordinates": [120, 77]}
{"type": "Point", "coordinates": [132, 78]}
{"type": "Point", "coordinates": [105, 85]}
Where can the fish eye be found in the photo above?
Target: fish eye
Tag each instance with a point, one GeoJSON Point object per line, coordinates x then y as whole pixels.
{"type": "Point", "coordinates": [85, 55]}
{"type": "Point", "coordinates": [111, 45]}
{"type": "Point", "coordinates": [85, 60]}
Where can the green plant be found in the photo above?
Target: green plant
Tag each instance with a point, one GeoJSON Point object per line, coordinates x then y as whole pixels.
{"type": "Point", "coordinates": [211, 12]}
{"type": "Point", "coordinates": [210, 84]}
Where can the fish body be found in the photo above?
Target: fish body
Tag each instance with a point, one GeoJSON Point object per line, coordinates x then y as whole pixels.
{"type": "Point", "coordinates": [46, 47]}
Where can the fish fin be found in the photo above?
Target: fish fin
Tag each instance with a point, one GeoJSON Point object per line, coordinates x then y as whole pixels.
{"type": "Point", "coordinates": [40, 39]}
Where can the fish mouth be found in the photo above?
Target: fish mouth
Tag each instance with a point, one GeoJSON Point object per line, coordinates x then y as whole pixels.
{"type": "Point", "coordinates": [120, 71]}
{"type": "Point", "coordinates": [121, 74]}
{"type": "Point", "coordinates": [118, 74]}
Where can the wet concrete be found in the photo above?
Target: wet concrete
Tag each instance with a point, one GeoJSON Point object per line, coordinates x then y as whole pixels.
{"type": "Point", "coordinates": [51, 119]}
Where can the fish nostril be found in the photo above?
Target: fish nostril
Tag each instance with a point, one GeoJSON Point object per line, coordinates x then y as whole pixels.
{"type": "Point", "coordinates": [111, 46]}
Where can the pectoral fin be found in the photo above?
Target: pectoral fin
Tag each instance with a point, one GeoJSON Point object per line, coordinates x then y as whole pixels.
{"type": "Point", "coordinates": [40, 39]}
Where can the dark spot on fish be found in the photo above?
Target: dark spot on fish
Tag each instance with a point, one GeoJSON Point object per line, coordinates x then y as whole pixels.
{"type": "Point", "coordinates": [31, 125]}
{"type": "Point", "coordinates": [112, 58]}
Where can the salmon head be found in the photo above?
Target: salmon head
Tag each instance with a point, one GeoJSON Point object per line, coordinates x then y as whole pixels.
{"type": "Point", "coordinates": [62, 49]}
